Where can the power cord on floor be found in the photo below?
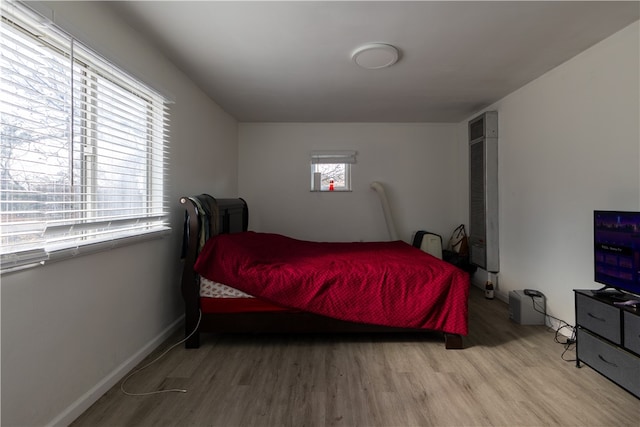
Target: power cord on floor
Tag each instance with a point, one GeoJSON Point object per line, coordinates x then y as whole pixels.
{"type": "Point", "coordinates": [568, 343]}
{"type": "Point", "coordinates": [172, 390]}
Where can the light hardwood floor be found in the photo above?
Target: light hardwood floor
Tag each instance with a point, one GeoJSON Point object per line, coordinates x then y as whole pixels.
{"type": "Point", "coordinates": [507, 375]}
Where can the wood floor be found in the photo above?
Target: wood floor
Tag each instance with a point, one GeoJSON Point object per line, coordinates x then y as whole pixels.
{"type": "Point", "coordinates": [507, 375]}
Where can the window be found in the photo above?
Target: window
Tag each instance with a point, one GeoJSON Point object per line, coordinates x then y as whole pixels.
{"type": "Point", "coordinates": [331, 170]}
{"type": "Point", "coordinates": [83, 147]}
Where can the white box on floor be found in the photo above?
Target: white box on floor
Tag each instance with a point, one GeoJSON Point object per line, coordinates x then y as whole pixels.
{"type": "Point", "coordinates": [527, 310]}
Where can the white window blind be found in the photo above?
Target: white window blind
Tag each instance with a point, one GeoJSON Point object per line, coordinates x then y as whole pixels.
{"type": "Point", "coordinates": [83, 146]}
{"type": "Point", "coordinates": [328, 157]}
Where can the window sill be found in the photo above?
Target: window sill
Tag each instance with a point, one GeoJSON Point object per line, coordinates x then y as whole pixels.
{"type": "Point", "coordinates": [60, 254]}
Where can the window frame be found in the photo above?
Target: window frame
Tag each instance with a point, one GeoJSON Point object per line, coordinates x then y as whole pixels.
{"type": "Point", "coordinates": [341, 158]}
{"type": "Point", "coordinates": [88, 233]}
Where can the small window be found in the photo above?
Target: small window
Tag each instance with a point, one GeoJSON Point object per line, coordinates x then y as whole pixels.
{"type": "Point", "coordinates": [331, 170]}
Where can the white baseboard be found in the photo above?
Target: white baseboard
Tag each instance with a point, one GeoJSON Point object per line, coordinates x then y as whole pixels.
{"type": "Point", "coordinates": [76, 409]}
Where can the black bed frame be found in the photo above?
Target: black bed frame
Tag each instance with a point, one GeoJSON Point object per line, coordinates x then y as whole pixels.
{"type": "Point", "coordinates": [205, 214]}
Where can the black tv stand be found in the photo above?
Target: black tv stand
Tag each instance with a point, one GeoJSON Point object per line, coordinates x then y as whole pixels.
{"type": "Point", "coordinates": [608, 338]}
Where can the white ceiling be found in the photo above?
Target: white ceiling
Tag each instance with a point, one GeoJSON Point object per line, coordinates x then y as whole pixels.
{"type": "Point", "coordinates": [291, 61]}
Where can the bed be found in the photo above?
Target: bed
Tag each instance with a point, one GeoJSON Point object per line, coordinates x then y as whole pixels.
{"type": "Point", "coordinates": [240, 281]}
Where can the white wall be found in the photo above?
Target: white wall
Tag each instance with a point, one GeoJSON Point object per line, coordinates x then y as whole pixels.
{"type": "Point", "coordinates": [71, 329]}
{"type": "Point", "coordinates": [568, 144]}
{"type": "Point", "coordinates": [415, 163]}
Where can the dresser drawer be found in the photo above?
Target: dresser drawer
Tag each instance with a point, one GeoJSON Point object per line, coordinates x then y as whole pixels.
{"type": "Point", "coordinates": [618, 365]}
{"type": "Point", "coordinates": [598, 317]}
{"type": "Point", "coordinates": [632, 332]}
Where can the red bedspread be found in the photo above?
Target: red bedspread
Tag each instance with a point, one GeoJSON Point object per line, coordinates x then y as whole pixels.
{"type": "Point", "coordinates": [383, 283]}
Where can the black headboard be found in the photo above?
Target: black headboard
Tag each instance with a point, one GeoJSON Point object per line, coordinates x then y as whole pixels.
{"type": "Point", "coordinates": [205, 216]}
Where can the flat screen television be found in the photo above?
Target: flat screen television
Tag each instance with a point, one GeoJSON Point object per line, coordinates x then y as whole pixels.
{"type": "Point", "coordinates": [617, 250]}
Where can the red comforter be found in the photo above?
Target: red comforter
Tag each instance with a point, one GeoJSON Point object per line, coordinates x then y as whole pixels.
{"type": "Point", "coordinates": [383, 283]}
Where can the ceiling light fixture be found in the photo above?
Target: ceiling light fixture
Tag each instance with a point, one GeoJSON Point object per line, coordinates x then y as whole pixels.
{"type": "Point", "coordinates": [373, 56]}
